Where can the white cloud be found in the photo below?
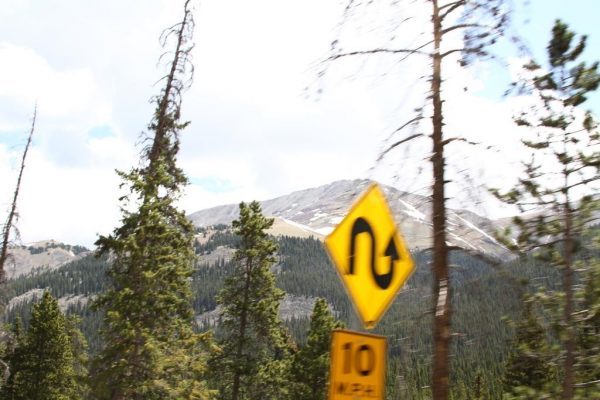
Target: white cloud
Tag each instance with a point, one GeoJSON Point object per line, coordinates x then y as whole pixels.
{"type": "Point", "coordinates": [69, 186]}
{"type": "Point", "coordinates": [68, 204]}
{"type": "Point", "coordinates": [27, 78]}
{"type": "Point", "coordinates": [252, 128]}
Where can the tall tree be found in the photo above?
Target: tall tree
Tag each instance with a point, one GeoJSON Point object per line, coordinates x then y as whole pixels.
{"type": "Point", "coordinates": [565, 162]}
{"type": "Point", "coordinates": [12, 213]}
{"type": "Point", "coordinates": [13, 355]}
{"type": "Point", "coordinates": [528, 368]}
{"type": "Point", "coordinates": [252, 335]}
{"type": "Point", "coordinates": [79, 347]}
{"type": "Point", "coordinates": [150, 350]}
{"type": "Point", "coordinates": [43, 360]}
{"type": "Point", "coordinates": [480, 23]}
{"type": "Point", "coordinates": [311, 363]}
{"type": "Point", "coordinates": [587, 319]}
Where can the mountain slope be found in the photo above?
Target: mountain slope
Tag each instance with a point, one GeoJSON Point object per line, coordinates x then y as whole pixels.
{"type": "Point", "coordinates": [317, 211]}
{"type": "Point", "coordinates": [48, 254]}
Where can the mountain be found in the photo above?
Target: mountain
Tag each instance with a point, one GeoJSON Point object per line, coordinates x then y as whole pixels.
{"type": "Point", "coordinates": [47, 254]}
{"type": "Point", "coordinates": [304, 272]}
{"type": "Point", "coordinates": [483, 294]}
{"type": "Point", "coordinates": [316, 211]}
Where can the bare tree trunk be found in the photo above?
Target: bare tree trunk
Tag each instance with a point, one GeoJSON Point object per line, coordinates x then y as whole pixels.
{"type": "Point", "coordinates": [242, 332]}
{"type": "Point", "coordinates": [569, 379]}
{"type": "Point", "coordinates": [441, 284]}
{"type": "Point", "coordinates": [13, 208]}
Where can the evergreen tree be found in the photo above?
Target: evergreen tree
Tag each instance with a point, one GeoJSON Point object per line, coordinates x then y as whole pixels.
{"type": "Point", "coordinates": [311, 364]}
{"type": "Point", "coordinates": [13, 354]}
{"type": "Point", "coordinates": [151, 351]}
{"type": "Point", "coordinates": [528, 368]}
{"type": "Point", "coordinates": [587, 369]}
{"type": "Point", "coordinates": [80, 356]}
{"type": "Point", "coordinates": [252, 335]}
{"type": "Point", "coordinates": [43, 360]}
{"type": "Point", "coordinates": [480, 387]}
{"type": "Point", "coordinates": [565, 146]}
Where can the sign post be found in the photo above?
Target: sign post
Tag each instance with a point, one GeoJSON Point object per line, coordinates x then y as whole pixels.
{"type": "Point", "coordinates": [358, 363]}
{"type": "Point", "coordinates": [370, 256]}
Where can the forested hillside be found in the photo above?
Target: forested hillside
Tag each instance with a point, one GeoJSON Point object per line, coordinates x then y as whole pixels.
{"type": "Point", "coordinates": [240, 301]}
{"type": "Point", "coordinates": [482, 336]}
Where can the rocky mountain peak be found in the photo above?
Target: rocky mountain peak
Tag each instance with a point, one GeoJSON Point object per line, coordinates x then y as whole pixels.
{"type": "Point", "coordinates": [42, 255]}
{"type": "Point", "coordinates": [316, 211]}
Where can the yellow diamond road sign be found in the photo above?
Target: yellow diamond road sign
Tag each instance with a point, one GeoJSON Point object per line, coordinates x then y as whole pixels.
{"type": "Point", "coordinates": [370, 256]}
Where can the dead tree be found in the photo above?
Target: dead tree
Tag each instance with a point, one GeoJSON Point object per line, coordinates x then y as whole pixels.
{"type": "Point", "coordinates": [12, 213]}
{"type": "Point", "coordinates": [481, 23]}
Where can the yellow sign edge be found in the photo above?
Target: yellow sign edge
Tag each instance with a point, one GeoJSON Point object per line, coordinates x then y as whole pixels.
{"type": "Point", "coordinates": [374, 185]}
{"type": "Point", "coordinates": [353, 332]}
{"type": "Point", "coordinates": [358, 333]}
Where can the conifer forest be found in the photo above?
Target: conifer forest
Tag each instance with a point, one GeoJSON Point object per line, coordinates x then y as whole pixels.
{"type": "Point", "coordinates": [225, 304]}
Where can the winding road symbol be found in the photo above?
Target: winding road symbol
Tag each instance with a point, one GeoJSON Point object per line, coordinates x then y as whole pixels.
{"type": "Point", "coordinates": [370, 255]}
{"type": "Point", "coordinates": [362, 226]}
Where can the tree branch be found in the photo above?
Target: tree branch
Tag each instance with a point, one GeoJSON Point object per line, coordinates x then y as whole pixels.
{"type": "Point", "coordinates": [586, 384]}
{"type": "Point", "coordinates": [471, 50]}
{"type": "Point", "coordinates": [412, 121]}
{"type": "Point", "coordinates": [408, 52]}
{"type": "Point", "coordinates": [460, 26]}
{"type": "Point", "coordinates": [461, 139]}
{"type": "Point", "coordinates": [398, 143]}
{"type": "Point", "coordinates": [450, 8]}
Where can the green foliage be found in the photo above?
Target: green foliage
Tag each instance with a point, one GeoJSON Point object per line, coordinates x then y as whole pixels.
{"type": "Point", "coordinates": [46, 361]}
{"type": "Point", "coordinates": [76, 249]}
{"type": "Point", "coordinates": [151, 351]}
{"type": "Point", "coordinates": [482, 338]}
{"type": "Point", "coordinates": [252, 337]}
{"type": "Point", "coordinates": [588, 333]}
{"type": "Point", "coordinates": [311, 364]}
{"type": "Point", "coordinates": [529, 366]}
{"type": "Point", "coordinates": [565, 160]}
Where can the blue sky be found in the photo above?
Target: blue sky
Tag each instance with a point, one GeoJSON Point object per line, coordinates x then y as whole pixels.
{"type": "Point", "coordinates": [256, 131]}
{"type": "Point", "coordinates": [533, 22]}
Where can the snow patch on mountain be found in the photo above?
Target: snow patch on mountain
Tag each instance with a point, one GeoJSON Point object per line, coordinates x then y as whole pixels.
{"type": "Point", "coordinates": [412, 211]}
{"type": "Point", "coordinates": [326, 230]}
{"type": "Point", "coordinates": [472, 226]}
{"type": "Point", "coordinates": [322, 208]}
{"type": "Point", "coordinates": [305, 228]}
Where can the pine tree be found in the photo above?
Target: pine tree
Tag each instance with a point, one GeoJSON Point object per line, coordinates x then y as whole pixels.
{"type": "Point", "coordinates": [13, 355]}
{"type": "Point", "coordinates": [565, 160]}
{"type": "Point", "coordinates": [311, 364]}
{"type": "Point", "coordinates": [252, 336]}
{"type": "Point", "coordinates": [587, 369]}
{"type": "Point", "coordinates": [528, 368]}
{"type": "Point", "coordinates": [480, 387]}
{"type": "Point", "coordinates": [151, 351]}
{"type": "Point", "coordinates": [42, 361]}
{"type": "Point", "coordinates": [79, 348]}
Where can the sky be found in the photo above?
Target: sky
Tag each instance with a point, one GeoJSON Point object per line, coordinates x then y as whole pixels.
{"type": "Point", "coordinates": [264, 120]}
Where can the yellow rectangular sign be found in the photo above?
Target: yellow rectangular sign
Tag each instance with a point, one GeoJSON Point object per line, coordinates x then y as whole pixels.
{"type": "Point", "coordinates": [358, 365]}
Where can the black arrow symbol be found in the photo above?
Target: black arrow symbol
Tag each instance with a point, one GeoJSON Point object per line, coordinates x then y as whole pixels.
{"type": "Point", "coordinates": [362, 226]}
{"type": "Point", "coordinates": [384, 280]}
